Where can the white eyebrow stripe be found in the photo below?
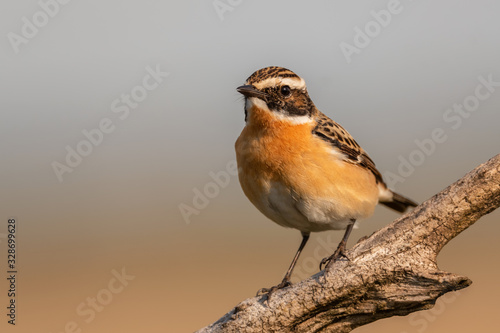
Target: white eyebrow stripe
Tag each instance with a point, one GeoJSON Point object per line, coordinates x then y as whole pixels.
{"type": "Point", "coordinates": [293, 82]}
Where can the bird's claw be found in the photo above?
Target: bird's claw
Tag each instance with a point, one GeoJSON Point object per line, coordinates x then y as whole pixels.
{"type": "Point", "coordinates": [328, 261]}
{"type": "Point", "coordinates": [270, 291]}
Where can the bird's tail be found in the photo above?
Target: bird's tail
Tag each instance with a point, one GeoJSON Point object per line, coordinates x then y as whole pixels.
{"type": "Point", "coordinates": [394, 200]}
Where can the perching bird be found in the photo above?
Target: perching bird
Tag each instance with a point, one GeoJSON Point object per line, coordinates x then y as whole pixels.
{"type": "Point", "coordinates": [300, 168]}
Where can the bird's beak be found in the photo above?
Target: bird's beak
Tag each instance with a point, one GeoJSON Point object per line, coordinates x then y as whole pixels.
{"type": "Point", "coordinates": [251, 91]}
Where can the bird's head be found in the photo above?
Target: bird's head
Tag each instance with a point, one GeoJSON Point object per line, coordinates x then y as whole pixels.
{"type": "Point", "coordinates": [279, 93]}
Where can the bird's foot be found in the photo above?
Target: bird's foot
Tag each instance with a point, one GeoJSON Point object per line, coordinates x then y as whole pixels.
{"type": "Point", "coordinates": [269, 291]}
{"type": "Point", "coordinates": [328, 261]}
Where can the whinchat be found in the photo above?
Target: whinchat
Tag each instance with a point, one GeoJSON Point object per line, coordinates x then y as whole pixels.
{"type": "Point", "coordinates": [300, 168]}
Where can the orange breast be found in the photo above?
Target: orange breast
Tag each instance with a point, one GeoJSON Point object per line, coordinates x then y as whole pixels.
{"type": "Point", "coordinates": [278, 152]}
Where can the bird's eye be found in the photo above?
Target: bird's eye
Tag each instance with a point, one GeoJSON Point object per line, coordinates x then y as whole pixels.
{"type": "Point", "coordinates": [285, 91]}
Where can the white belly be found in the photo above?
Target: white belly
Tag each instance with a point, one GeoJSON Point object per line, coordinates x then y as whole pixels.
{"type": "Point", "coordinates": [288, 209]}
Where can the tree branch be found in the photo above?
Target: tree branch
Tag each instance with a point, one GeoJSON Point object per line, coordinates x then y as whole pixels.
{"type": "Point", "coordinates": [391, 273]}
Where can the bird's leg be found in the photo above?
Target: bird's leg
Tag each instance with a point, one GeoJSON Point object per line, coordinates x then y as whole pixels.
{"type": "Point", "coordinates": [286, 280]}
{"type": "Point", "coordinates": [339, 252]}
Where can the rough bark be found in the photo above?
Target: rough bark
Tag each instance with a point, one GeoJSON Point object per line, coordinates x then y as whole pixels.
{"type": "Point", "coordinates": [391, 273]}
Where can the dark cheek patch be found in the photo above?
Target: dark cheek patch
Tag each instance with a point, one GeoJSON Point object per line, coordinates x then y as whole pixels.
{"type": "Point", "coordinates": [296, 105]}
{"type": "Point", "coordinates": [295, 109]}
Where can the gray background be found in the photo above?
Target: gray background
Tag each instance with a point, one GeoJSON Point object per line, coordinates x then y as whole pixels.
{"type": "Point", "coordinates": [120, 206]}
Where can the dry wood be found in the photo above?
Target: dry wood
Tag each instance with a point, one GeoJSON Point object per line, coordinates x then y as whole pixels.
{"type": "Point", "coordinates": [391, 273]}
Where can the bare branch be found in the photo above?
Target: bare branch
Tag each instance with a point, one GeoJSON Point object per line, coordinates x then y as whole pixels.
{"type": "Point", "coordinates": [391, 273]}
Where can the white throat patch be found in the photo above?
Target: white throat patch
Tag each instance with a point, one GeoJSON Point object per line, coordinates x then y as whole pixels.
{"type": "Point", "coordinates": [278, 116]}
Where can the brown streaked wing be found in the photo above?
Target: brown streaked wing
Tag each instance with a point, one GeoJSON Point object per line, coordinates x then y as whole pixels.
{"type": "Point", "coordinates": [331, 132]}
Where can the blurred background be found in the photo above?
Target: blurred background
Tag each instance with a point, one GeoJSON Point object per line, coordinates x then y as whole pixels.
{"type": "Point", "coordinates": [116, 117]}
